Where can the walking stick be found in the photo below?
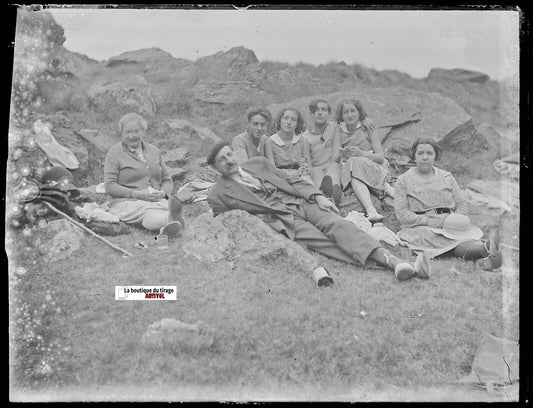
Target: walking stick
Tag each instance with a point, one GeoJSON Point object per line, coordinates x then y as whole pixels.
{"type": "Point", "coordinates": [86, 229]}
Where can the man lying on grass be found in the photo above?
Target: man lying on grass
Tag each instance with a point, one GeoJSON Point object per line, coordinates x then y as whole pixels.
{"type": "Point", "coordinates": [297, 209]}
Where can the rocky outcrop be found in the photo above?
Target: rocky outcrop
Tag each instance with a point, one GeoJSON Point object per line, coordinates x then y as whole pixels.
{"type": "Point", "coordinates": [138, 56]}
{"type": "Point", "coordinates": [226, 92]}
{"type": "Point", "coordinates": [457, 75]}
{"type": "Point", "coordinates": [72, 64]}
{"type": "Point", "coordinates": [236, 64]}
{"type": "Point", "coordinates": [129, 94]}
{"type": "Point", "coordinates": [239, 236]}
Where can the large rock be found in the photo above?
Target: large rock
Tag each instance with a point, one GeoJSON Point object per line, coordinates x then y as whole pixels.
{"type": "Point", "coordinates": [238, 235]}
{"type": "Point", "coordinates": [457, 75]}
{"type": "Point", "coordinates": [175, 336]}
{"type": "Point", "coordinates": [138, 56]}
{"type": "Point", "coordinates": [187, 127]}
{"type": "Point", "coordinates": [226, 92]}
{"type": "Point", "coordinates": [175, 157]}
{"type": "Point", "coordinates": [132, 93]}
{"type": "Point", "coordinates": [238, 63]}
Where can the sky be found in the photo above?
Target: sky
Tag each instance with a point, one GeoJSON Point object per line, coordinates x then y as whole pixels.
{"type": "Point", "coordinates": [408, 41]}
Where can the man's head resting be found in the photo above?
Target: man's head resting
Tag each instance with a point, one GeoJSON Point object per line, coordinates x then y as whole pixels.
{"type": "Point", "coordinates": [221, 158]}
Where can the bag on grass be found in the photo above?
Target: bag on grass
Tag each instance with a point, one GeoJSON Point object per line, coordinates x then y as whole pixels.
{"type": "Point", "coordinates": [495, 364]}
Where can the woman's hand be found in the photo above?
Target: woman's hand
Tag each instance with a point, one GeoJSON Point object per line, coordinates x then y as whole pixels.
{"type": "Point", "coordinates": [325, 205]}
{"type": "Point", "coordinates": [147, 195]}
{"type": "Point", "coordinates": [353, 151]}
{"type": "Point", "coordinates": [368, 125]}
{"type": "Point", "coordinates": [435, 220]}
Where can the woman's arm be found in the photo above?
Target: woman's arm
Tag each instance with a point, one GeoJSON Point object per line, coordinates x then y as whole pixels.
{"type": "Point", "coordinates": [269, 154]}
{"type": "Point", "coordinates": [461, 205]}
{"type": "Point", "coordinates": [401, 207]}
{"type": "Point", "coordinates": [377, 154]}
{"type": "Point", "coordinates": [166, 181]}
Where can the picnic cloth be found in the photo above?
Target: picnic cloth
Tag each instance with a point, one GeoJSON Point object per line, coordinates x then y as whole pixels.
{"type": "Point", "coordinates": [95, 212]}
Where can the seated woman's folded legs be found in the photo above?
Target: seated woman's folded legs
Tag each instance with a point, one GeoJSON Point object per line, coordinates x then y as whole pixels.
{"type": "Point", "coordinates": [153, 220]}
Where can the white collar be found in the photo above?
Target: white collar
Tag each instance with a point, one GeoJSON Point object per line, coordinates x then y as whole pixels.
{"type": "Point", "coordinates": [345, 129]}
{"type": "Point", "coordinates": [276, 139]}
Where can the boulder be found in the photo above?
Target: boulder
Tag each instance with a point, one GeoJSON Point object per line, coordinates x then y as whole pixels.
{"type": "Point", "coordinates": [238, 63]}
{"type": "Point", "coordinates": [132, 93]}
{"type": "Point", "coordinates": [72, 64]}
{"type": "Point", "coordinates": [175, 336]}
{"type": "Point", "coordinates": [96, 139]}
{"type": "Point", "coordinates": [138, 56]}
{"type": "Point", "coordinates": [186, 126]}
{"type": "Point", "coordinates": [226, 92]}
{"type": "Point", "coordinates": [457, 75]}
{"type": "Point", "coordinates": [175, 157]}
{"type": "Point", "coordinates": [238, 235]}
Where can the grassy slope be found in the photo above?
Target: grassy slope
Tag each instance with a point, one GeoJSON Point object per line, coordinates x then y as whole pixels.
{"type": "Point", "coordinates": [276, 332]}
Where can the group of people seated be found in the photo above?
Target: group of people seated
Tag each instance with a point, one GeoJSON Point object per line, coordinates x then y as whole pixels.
{"type": "Point", "coordinates": [294, 180]}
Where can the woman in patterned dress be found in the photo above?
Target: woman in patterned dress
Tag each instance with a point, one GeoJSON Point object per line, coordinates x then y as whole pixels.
{"type": "Point", "coordinates": [284, 149]}
{"type": "Point", "coordinates": [426, 201]}
{"type": "Point", "coordinates": [366, 170]}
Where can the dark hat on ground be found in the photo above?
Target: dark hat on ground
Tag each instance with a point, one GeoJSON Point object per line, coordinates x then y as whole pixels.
{"type": "Point", "coordinates": [58, 177]}
{"type": "Point", "coordinates": [214, 151]}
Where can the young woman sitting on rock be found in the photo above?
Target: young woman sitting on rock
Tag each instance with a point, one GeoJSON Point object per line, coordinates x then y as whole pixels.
{"type": "Point", "coordinates": [433, 212]}
{"type": "Point", "coordinates": [138, 181]}
{"type": "Point", "coordinates": [365, 167]}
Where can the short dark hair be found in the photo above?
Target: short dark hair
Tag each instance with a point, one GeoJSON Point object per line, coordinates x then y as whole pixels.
{"type": "Point", "coordinates": [300, 124]}
{"type": "Point", "coordinates": [259, 111]}
{"type": "Point", "coordinates": [313, 105]}
{"type": "Point", "coordinates": [212, 155]}
{"type": "Point", "coordinates": [429, 141]}
{"type": "Point", "coordinates": [355, 102]}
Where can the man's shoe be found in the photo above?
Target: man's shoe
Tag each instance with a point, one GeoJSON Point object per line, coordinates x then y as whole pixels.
{"type": "Point", "coordinates": [422, 266]}
{"type": "Point", "coordinates": [175, 209]}
{"type": "Point", "coordinates": [327, 186]}
{"type": "Point", "coordinates": [494, 260]}
{"type": "Point", "coordinates": [172, 229]}
{"type": "Point", "coordinates": [322, 277]}
{"type": "Point", "coordinates": [404, 271]}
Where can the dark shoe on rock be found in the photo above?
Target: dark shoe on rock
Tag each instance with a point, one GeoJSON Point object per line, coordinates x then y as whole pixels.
{"type": "Point", "coordinates": [337, 194]}
{"type": "Point", "coordinates": [327, 186]}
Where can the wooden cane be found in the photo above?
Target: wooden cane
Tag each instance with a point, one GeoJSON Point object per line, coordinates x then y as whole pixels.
{"type": "Point", "coordinates": [86, 229]}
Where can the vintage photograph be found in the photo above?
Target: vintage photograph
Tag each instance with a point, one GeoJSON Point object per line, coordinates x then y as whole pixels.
{"type": "Point", "coordinates": [263, 204]}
